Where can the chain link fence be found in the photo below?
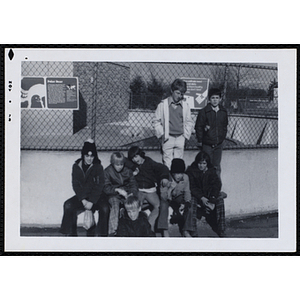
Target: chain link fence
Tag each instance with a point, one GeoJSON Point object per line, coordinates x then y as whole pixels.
{"type": "Point", "coordinates": [117, 103]}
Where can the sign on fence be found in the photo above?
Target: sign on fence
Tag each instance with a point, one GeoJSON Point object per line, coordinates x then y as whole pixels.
{"type": "Point", "coordinates": [197, 92]}
{"type": "Point", "coordinates": [49, 92]}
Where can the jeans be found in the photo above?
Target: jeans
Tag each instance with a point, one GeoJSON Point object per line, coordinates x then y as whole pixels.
{"type": "Point", "coordinates": [173, 148]}
{"type": "Point", "coordinates": [73, 207]}
{"type": "Point", "coordinates": [186, 221]}
{"type": "Point", "coordinates": [153, 200]}
{"type": "Point", "coordinates": [216, 218]}
{"type": "Point", "coordinates": [215, 154]}
{"type": "Point", "coordinates": [113, 222]}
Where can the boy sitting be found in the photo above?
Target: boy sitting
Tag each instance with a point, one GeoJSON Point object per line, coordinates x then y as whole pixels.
{"type": "Point", "coordinates": [179, 197]}
{"type": "Point", "coordinates": [134, 222]}
{"type": "Point", "coordinates": [119, 182]}
{"type": "Point", "coordinates": [205, 187]}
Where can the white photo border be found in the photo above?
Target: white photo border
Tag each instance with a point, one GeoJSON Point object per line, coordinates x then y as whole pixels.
{"type": "Point", "coordinates": [285, 58]}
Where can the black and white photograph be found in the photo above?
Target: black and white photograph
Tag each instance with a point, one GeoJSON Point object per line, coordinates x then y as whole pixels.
{"type": "Point", "coordinates": [150, 149]}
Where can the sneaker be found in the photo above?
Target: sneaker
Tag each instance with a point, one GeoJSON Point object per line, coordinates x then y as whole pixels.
{"type": "Point", "coordinates": [174, 219]}
{"type": "Point", "coordinates": [222, 195]}
{"type": "Point", "coordinates": [185, 233]}
{"type": "Point", "coordinates": [222, 234]}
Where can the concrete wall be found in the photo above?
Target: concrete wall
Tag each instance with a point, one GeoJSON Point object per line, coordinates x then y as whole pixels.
{"type": "Point", "coordinates": [250, 178]}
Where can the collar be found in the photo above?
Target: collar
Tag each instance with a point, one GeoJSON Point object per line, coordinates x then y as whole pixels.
{"type": "Point", "coordinates": [171, 101]}
{"type": "Point", "coordinates": [173, 180]}
{"type": "Point", "coordinates": [210, 107]}
{"type": "Point", "coordinates": [81, 165]}
{"type": "Point", "coordinates": [216, 109]}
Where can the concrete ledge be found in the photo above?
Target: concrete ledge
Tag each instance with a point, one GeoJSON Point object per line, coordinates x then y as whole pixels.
{"type": "Point", "coordinates": [250, 179]}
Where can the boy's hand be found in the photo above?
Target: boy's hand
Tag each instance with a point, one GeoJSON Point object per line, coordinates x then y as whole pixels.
{"type": "Point", "coordinates": [136, 171]}
{"type": "Point", "coordinates": [164, 182]}
{"type": "Point", "coordinates": [87, 204]}
{"type": "Point", "coordinates": [181, 208]}
{"type": "Point", "coordinates": [121, 192]}
{"type": "Point", "coordinates": [199, 146]}
{"type": "Point", "coordinates": [207, 127]}
{"type": "Point", "coordinates": [204, 200]}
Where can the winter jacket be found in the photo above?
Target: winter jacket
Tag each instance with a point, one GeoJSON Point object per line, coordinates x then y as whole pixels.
{"type": "Point", "coordinates": [161, 120]}
{"type": "Point", "coordinates": [88, 185]}
{"type": "Point", "coordinates": [203, 184]}
{"type": "Point", "coordinates": [137, 228]}
{"type": "Point", "coordinates": [217, 121]}
{"type": "Point", "coordinates": [181, 188]}
{"type": "Point", "coordinates": [150, 173]}
{"type": "Point", "coordinates": [123, 179]}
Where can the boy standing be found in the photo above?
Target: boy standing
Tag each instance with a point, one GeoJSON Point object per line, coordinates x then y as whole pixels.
{"type": "Point", "coordinates": [173, 123]}
{"type": "Point", "coordinates": [211, 128]}
{"type": "Point", "coordinates": [134, 222]}
{"type": "Point", "coordinates": [119, 182]}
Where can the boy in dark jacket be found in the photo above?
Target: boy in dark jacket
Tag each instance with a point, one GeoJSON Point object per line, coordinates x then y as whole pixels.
{"type": "Point", "coordinates": [134, 222]}
{"type": "Point", "coordinates": [211, 128]}
{"type": "Point", "coordinates": [151, 176]}
{"type": "Point", "coordinates": [205, 187]}
{"type": "Point", "coordinates": [87, 182]}
{"type": "Point", "coordinates": [119, 183]}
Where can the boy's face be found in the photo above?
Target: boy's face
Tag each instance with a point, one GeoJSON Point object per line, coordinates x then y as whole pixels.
{"type": "Point", "coordinates": [202, 165]}
{"type": "Point", "coordinates": [177, 176]}
{"type": "Point", "coordinates": [88, 158]}
{"type": "Point", "coordinates": [118, 166]}
{"type": "Point", "coordinates": [138, 159]}
{"type": "Point", "coordinates": [177, 95]}
{"type": "Point", "coordinates": [133, 211]}
{"type": "Point", "coordinates": [215, 100]}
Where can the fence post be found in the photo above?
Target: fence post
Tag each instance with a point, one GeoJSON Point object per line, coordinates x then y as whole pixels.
{"type": "Point", "coordinates": [94, 103]}
{"type": "Point", "coordinates": [225, 84]}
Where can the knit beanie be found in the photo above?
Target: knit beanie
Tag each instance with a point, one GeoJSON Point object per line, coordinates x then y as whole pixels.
{"type": "Point", "coordinates": [89, 146]}
{"type": "Point", "coordinates": [177, 166]}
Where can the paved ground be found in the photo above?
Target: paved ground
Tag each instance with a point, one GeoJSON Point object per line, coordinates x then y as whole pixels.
{"type": "Point", "coordinates": [263, 226]}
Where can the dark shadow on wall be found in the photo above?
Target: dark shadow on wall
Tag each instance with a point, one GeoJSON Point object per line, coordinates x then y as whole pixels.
{"type": "Point", "coordinates": [80, 116]}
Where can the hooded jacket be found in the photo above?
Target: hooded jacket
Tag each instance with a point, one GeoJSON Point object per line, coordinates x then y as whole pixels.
{"type": "Point", "coordinates": [88, 185]}
{"type": "Point", "coordinates": [217, 122]}
{"type": "Point", "coordinates": [203, 184]}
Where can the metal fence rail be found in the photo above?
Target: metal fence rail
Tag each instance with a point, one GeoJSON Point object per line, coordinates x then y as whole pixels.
{"type": "Point", "coordinates": [117, 103]}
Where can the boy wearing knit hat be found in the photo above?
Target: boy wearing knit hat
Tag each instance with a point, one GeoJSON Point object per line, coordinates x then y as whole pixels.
{"type": "Point", "coordinates": [87, 182]}
{"type": "Point", "coordinates": [179, 198]}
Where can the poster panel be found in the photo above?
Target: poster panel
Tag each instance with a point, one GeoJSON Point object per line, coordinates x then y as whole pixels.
{"type": "Point", "coordinates": [49, 93]}
{"type": "Point", "coordinates": [197, 92]}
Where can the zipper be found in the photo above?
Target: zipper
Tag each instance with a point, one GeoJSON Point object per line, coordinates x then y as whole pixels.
{"type": "Point", "coordinates": [85, 174]}
{"type": "Point", "coordinates": [217, 128]}
{"type": "Point", "coordinates": [121, 178]}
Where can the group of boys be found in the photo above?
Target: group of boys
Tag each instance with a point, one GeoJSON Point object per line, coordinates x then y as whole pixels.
{"type": "Point", "coordinates": [132, 182]}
